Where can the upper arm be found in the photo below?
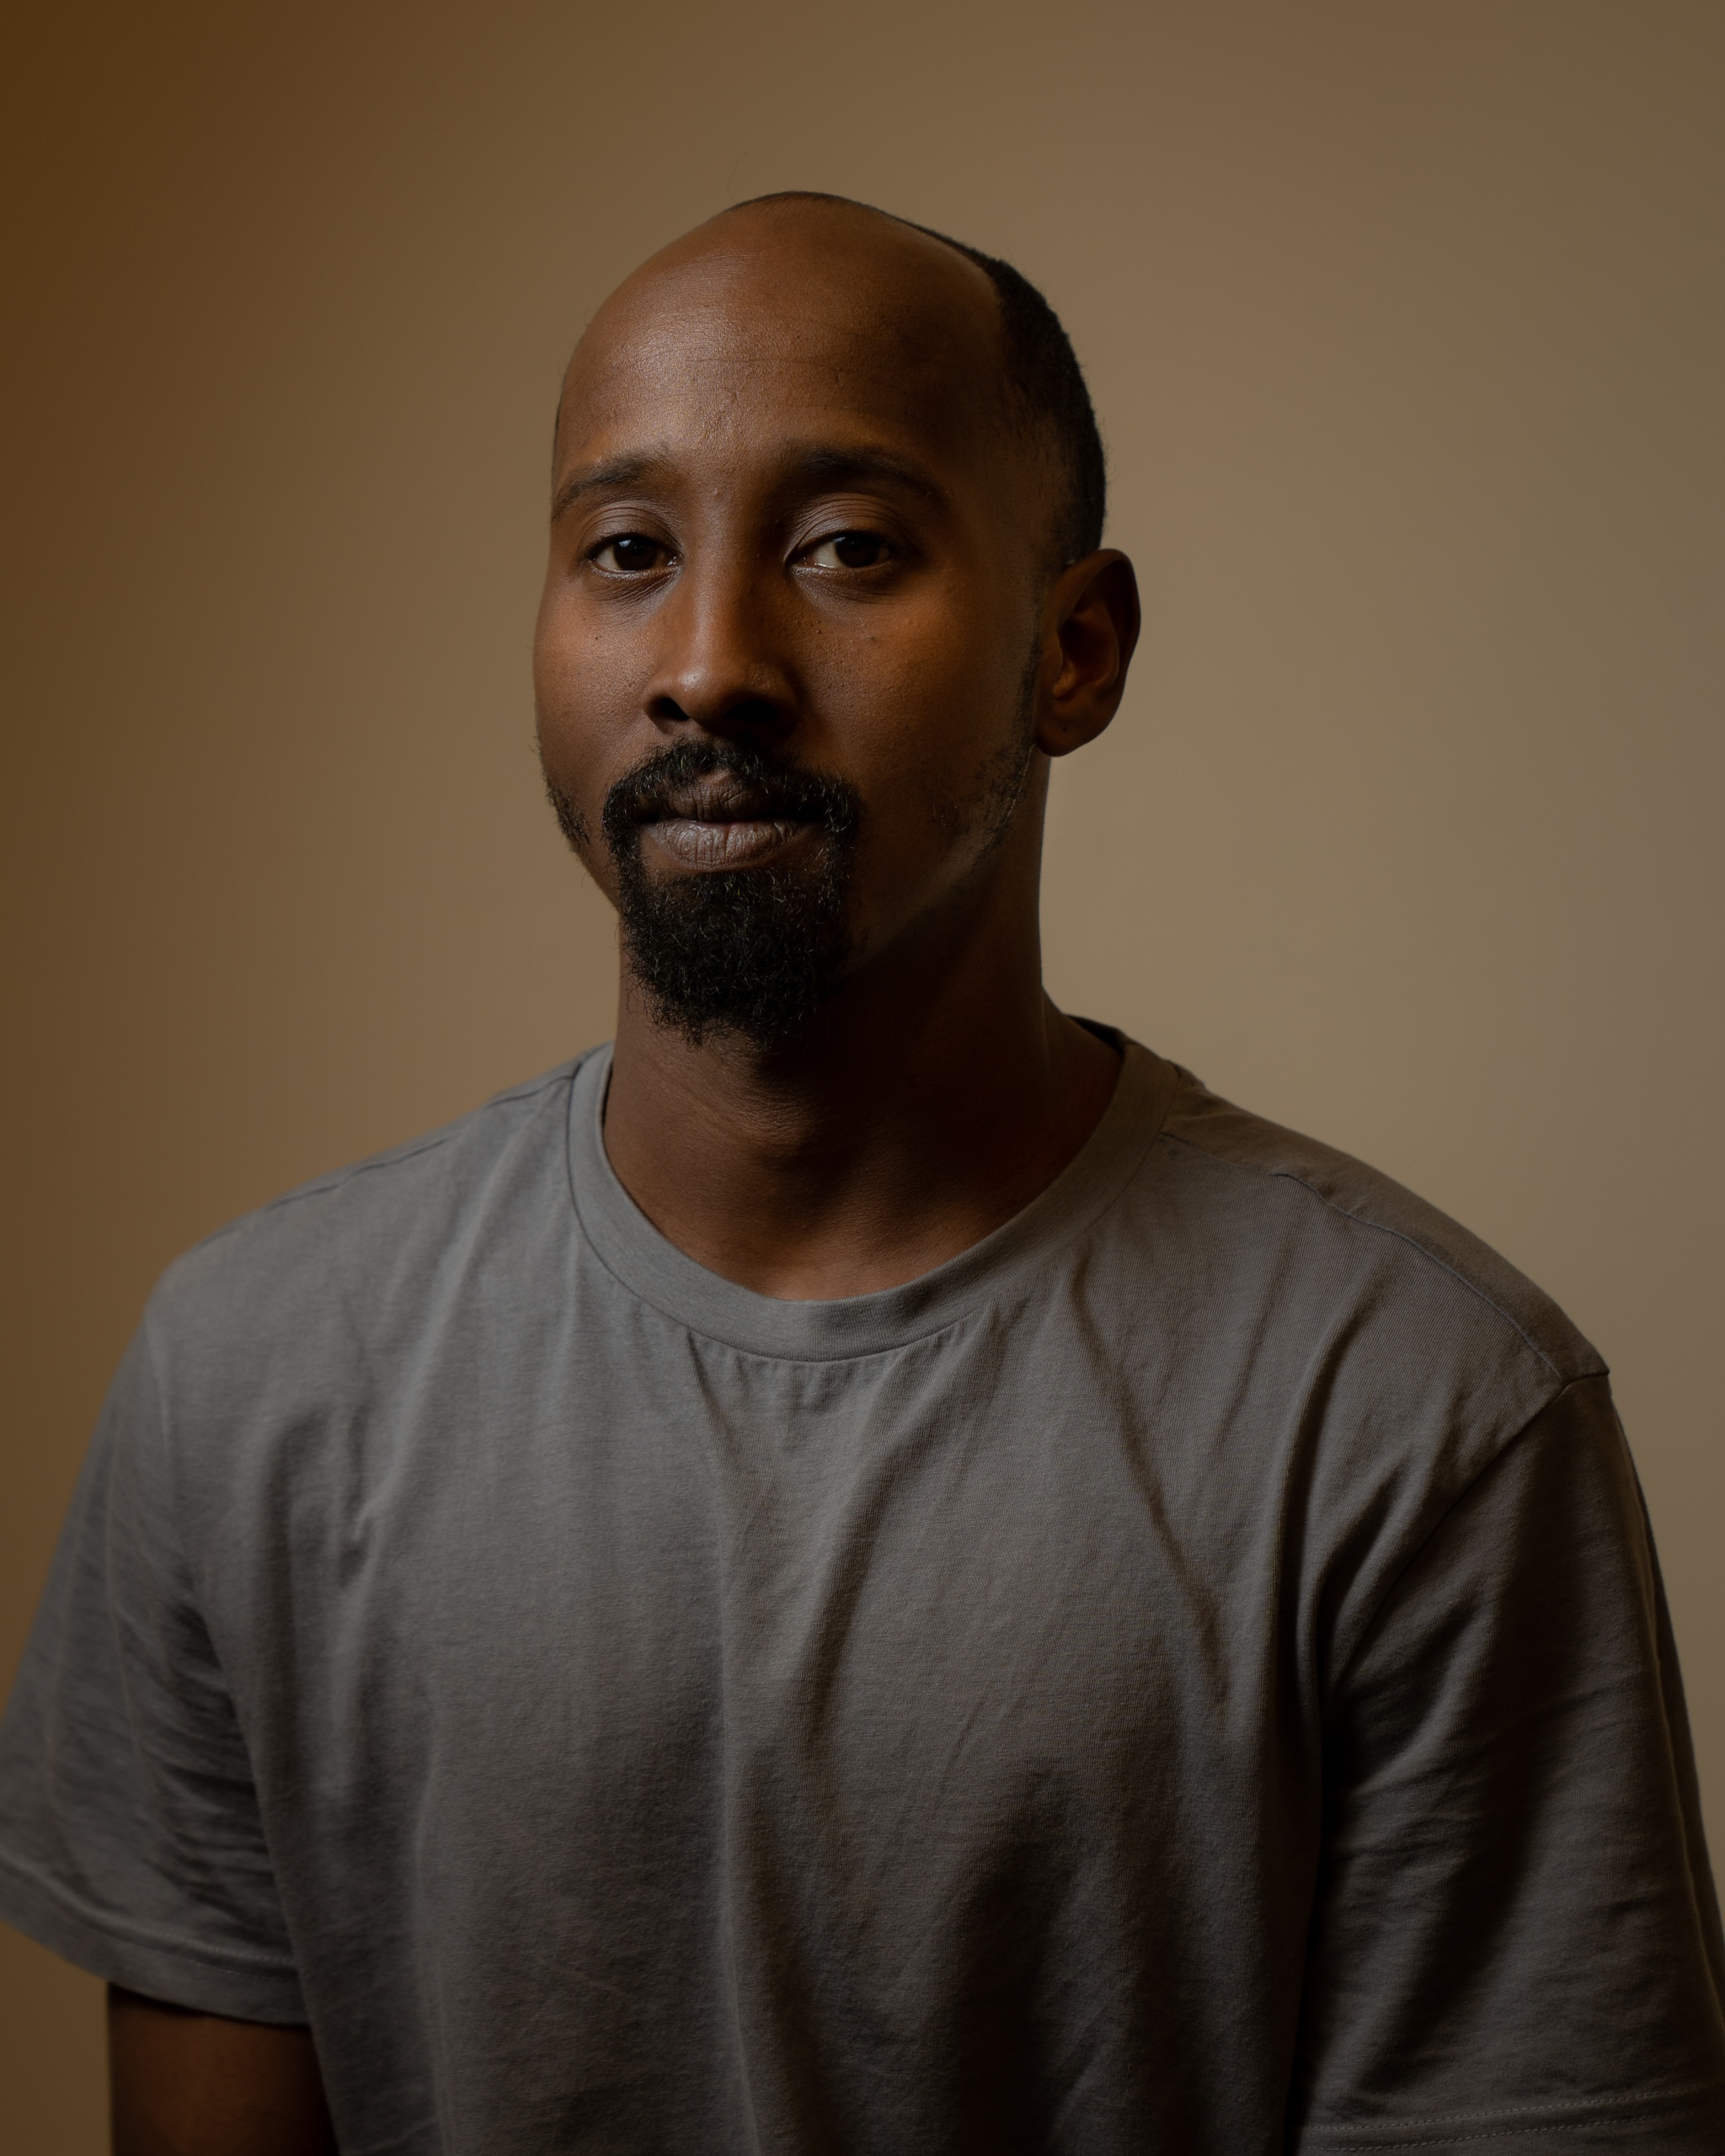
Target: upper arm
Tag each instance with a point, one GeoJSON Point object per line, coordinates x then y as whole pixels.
{"type": "Point", "coordinates": [1515, 1935]}
{"type": "Point", "coordinates": [185, 2084]}
{"type": "Point", "coordinates": [130, 1824]}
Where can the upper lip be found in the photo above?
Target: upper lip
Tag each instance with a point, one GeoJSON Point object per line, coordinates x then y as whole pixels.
{"type": "Point", "coordinates": [720, 798]}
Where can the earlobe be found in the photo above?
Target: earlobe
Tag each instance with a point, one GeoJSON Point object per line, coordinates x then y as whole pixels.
{"type": "Point", "coordinates": [1094, 612]}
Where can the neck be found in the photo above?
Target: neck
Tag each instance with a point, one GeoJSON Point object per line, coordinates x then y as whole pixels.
{"type": "Point", "coordinates": [935, 1095]}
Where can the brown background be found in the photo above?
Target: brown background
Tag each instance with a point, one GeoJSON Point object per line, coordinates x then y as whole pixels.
{"type": "Point", "coordinates": [1404, 325]}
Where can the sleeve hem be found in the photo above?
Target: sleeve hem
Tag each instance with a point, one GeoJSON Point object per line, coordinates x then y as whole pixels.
{"type": "Point", "coordinates": [1659, 2122]}
{"type": "Point", "coordinates": [183, 1972]}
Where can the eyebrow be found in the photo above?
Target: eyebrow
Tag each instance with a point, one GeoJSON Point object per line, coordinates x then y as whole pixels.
{"type": "Point", "coordinates": [821, 463]}
{"type": "Point", "coordinates": [834, 466]}
{"type": "Point", "coordinates": [615, 473]}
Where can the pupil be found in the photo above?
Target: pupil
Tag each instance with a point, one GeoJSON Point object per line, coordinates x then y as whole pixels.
{"type": "Point", "coordinates": [632, 554]}
{"type": "Point", "coordinates": [857, 550]}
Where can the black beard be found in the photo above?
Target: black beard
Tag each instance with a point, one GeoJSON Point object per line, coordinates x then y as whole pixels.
{"type": "Point", "coordinates": [752, 951]}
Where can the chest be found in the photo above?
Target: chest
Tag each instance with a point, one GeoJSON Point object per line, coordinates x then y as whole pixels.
{"type": "Point", "coordinates": [933, 1589]}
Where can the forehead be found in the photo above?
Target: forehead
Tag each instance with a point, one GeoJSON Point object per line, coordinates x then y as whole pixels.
{"type": "Point", "coordinates": [804, 328]}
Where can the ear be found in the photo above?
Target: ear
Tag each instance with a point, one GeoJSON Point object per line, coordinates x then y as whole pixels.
{"type": "Point", "coordinates": [1091, 620]}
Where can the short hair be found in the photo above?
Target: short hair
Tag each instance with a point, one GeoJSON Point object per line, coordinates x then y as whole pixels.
{"type": "Point", "coordinates": [1043, 376]}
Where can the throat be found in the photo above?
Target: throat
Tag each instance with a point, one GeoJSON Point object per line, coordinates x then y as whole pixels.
{"type": "Point", "coordinates": [864, 1177]}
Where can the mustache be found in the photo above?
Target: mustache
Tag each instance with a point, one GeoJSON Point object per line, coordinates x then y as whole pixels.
{"type": "Point", "coordinates": [763, 787]}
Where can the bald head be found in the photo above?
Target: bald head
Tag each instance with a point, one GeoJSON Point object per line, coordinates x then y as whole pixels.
{"type": "Point", "coordinates": [821, 601]}
{"type": "Point", "coordinates": [943, 323]}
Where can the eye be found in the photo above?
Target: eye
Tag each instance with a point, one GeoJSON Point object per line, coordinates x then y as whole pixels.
{"type": "Point", "coordinates": [628, 553]}
{"type": "Point", "coordinates": [849, 550]}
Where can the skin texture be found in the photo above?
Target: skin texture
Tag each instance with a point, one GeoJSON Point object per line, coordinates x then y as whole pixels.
{"type": "Point", "coordinates": [783, 377]}
{"type": "Point", "coordinates": [199, 2084]}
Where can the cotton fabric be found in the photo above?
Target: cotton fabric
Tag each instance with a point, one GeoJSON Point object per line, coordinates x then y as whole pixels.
{"type": "Point", "coordinates": [1189, 1675]}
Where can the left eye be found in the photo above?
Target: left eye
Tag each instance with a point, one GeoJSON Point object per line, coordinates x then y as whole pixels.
{"type": "Point", "coordinates": [630, 552]}
{"type": "Point", "coordinates": [849, 550]}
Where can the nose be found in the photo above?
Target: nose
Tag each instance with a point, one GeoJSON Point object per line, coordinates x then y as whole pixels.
{"type": "Point", "coordinates": [720, 668]}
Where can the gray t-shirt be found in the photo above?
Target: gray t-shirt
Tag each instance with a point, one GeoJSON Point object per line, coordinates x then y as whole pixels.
{"type": "Point", "coordinates": [1188, 1677]}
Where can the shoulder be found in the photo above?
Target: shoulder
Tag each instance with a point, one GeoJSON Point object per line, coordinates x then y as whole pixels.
{"type": "Point", "coordinates": [1359, 1234]}
{"type": "Point", "coordinates": [374, 1231]}
{"type": "Point", "coordinates": [1342, 1343]}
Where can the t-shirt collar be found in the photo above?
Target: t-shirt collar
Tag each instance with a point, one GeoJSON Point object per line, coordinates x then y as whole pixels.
{"type": "Point", "coordinates": [629, 1246]}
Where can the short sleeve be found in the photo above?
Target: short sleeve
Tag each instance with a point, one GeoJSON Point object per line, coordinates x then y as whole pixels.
{"type": "Point", "coordinates": [1516, 1943]}
{"type": "Point", "coordinates": [131, 1841]}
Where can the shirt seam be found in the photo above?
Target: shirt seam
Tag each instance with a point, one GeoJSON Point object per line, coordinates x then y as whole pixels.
{"type": "Point", "coordinates": [769, 1354]}
{"type": "Point", "coordinates": [123, 1931]}
{"type": "Point", "coordinates": [1368, 1623]}
{"type": "Point", "coordinates": [1562, 2114]}
{"type": "Point", "coordinates": [397, 1156]}
{"type": "Point", "coordinates": [1668, 2113]}
{"type": "Point", "coordinates": [1458, 2140]}
{"type": "Point", "coordinates": [985, 1301]}
{"type": "Point", "coordinates": [1399, 1234]}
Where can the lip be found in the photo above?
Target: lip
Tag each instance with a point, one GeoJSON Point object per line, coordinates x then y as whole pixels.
{"type": "Point", "coordinates": [718, 797]}
{"type": "Point", "coordinates": [736, 841]}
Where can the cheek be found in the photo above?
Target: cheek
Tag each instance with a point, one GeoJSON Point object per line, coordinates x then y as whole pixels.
{"type": "Point", "coordinates": [579, 699]}
{"type": "Point", "coordinates": [927, 717]}
{"type": "Point", "coordinates": [564, 660]}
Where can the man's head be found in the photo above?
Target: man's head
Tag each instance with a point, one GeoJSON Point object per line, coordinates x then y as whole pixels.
{"type": "Point", "coordinates": [823, 595]}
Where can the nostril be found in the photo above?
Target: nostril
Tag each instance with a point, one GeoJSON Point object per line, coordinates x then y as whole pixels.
{"type": "Point", "coordinates": [754, 711]}
{"type": "Point", "coordinates": [746, 714]}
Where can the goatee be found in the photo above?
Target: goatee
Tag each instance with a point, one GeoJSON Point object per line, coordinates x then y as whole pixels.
{"type": "Point", "coordinates": [757, 950]}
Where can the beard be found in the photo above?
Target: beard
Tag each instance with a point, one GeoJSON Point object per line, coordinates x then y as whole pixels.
{"type": "Point", "coordinates": [757, 951]}
{"type": "Point", "coordinates": [751, 951]}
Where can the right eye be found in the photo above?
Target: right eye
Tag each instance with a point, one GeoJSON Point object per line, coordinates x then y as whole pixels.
{"type": "Point", "coordinates": [629, 553]}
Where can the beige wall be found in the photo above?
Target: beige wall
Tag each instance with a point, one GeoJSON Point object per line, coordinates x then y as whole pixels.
{"type": "Point", "coordinates": [1405, 323]}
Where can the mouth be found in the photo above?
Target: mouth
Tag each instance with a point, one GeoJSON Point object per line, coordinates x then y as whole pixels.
{"type": "Point", "coordinates": [700, 808]}
{"type": "Point", "coordinates": [733, 842]}
{"type": "Point", "coordinates": [719, 822]}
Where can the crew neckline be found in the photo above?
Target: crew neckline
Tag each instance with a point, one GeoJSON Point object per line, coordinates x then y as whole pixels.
{"type": "Point", "coordinates": [651, 1265]}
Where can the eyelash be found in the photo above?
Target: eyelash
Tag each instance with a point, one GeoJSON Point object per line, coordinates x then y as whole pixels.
{"type": "Point", "coordinates": [889, 551]}
{"type": "Point", "coordinates": [624, 539]}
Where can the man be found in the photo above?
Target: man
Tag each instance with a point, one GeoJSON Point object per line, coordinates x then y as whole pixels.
{"type": "Point", "coordinates": [870, 1568]}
